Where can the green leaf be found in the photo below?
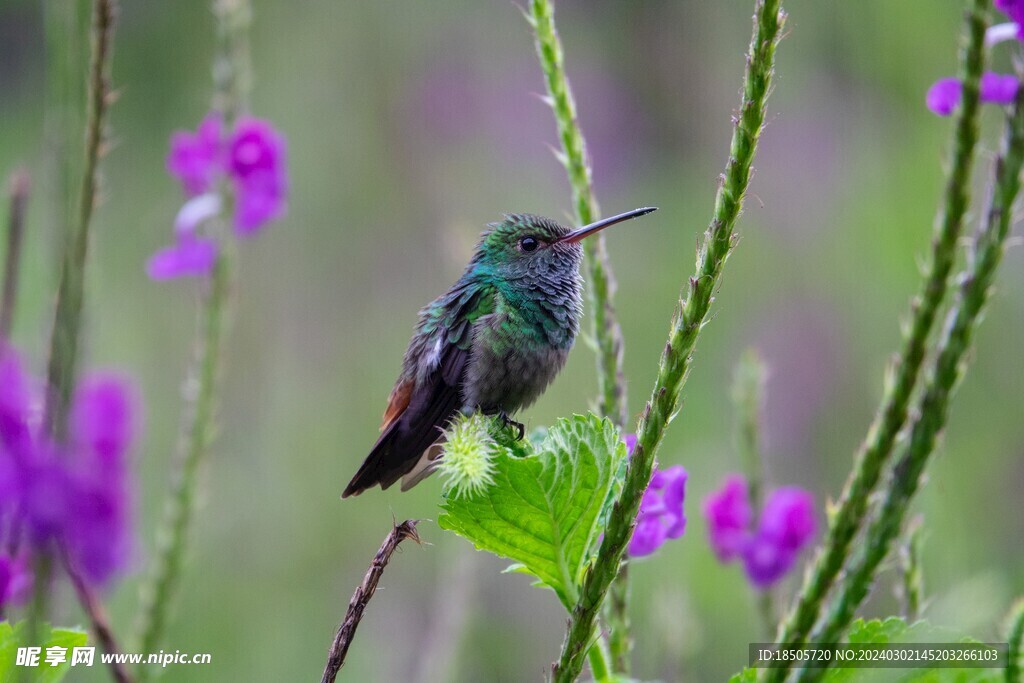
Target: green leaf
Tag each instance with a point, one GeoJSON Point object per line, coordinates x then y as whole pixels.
{"type": "Point", "coordinates": [11, 638]}
{"type": "Point", "coordinates": [543, 510]}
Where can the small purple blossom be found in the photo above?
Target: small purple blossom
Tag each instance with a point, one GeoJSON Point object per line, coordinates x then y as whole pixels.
{"type": "Point", "coordinates": [771, 549]}
{"type": "Point", "coordinates": [729, 516]}
{"type": "Point", "coordinates": [256, 165]}
{"type": "Point", "coordinates": [998, 88]}
{"type": "Point", "coordinates": [76, 495]}
{"type": "Point", "coordinates": [191, 256]}
{"type": "Point", "coordinates": [944, 95]}
{"type": "Point", "coordinates": [196, 158]}
{"type": "Point", "coordinates": [661, 516]}
{"type": "Point", "coordinates": [252, 158]}
{"type": "Point", "coordinates": [15, 580]}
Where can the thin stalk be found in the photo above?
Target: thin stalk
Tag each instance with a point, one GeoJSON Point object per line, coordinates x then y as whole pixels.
{"type": "Point", "coordinates": [362, 595]}
{"type": "Point", "coordinates": [198, 429]}
{"type": "Point", "coordinates": [892, 413]}
{"type": "Point", "coordinates": [944, 375]}
{"type": "Point", "coordinates": [718, 242]}
{"type": "Point", "coordinates": [747, 396]}
{"type": "Point", "coordinates": [231, 76]}
{"type": "Point", "coordinates": [748, 399]}
{"type": "Point", "coordinates": [67, 317]}
{"type": "Point", "coordinates": [66, 30]}
{"type": "Point", "coordinates": [18, 199]}
{"type": "Point", "coordinates": [911, 586]}
{"type": "Point", "coordinates": [1015, 639]}
{"type": "Point", "coordinates": [605, 329]}
{"type": "Point", "coordinates": [98, 619]}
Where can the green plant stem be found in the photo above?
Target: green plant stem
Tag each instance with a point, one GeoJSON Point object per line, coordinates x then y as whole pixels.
{"type": "Point", "coordinates": [911, 574]}
{"type": "Point", "coordinates": [67, 317]}
{"type": "Point", "coordinates": [892, 413]}
{"type": "Point", "coordinates": [616, 616]}
{"type": "Point", "coordinates": [18, 201]}
{"type": "Point", "coordinates": [747, 396]}
{"type": "Point", "coordinates": [231, 76]}
{"type": "Point", "coordinates": [1014, 638]}
{"type": "Point", "coordinates": [194, 443]}
{"type": "Point", "coordinates": [686, 326]}
{"type": "Point", "coordinates": [607, 332]}
{"type": "Point", "coordinates": [606, 329]}
{"type": "Point", "coordinates": [944, 375]}
{"type": "Point", "coordinates": [66, 29]}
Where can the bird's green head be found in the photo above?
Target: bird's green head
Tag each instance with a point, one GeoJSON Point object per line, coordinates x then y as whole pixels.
{"type": "Point", "coordinates": [528, 246]}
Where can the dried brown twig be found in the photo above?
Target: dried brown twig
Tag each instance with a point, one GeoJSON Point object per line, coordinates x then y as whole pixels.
{"type": "Point", "coordinates": [361, 597]}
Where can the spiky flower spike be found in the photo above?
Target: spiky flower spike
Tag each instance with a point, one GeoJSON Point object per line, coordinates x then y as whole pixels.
{"type": "Point", "coordinates": [466, 466]}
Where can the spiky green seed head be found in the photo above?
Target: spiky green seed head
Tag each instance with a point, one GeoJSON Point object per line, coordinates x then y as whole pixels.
{"type": "Point", "coordinates": [467, 466]}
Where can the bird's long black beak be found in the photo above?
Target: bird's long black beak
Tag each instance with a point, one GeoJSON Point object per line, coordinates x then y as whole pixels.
{"type": "Point", "coordinates": [588, 230]}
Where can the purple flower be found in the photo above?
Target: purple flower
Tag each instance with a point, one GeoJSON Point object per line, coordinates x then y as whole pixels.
{"type": "Point", "coordinates": [256, 164]}
{"type": "Point", "coordinates": [14, 400]}
{"type": "Point", "coordinates": [15, 580]}
{"type": "Point", "coordinates": [102, 420]}
{"type": "Point", "coordinates": [768, 552]}
{"type": "Point", "coordinates": [74, 495]}
{"type": "Point", "coordinates": [944, 95]}
{"type": "Point", "coordinates": [252, 158]}
{"type": "Point", "coordinates": [196, 158]}
{"type": "Point", "coordinates": [661, 515]}
{"type": "Point", "coordinates": [787, 524]}
{"type": "Point", "coordinates": [190, 256]}
{"type": "Point", "coordinates": [998, 88]}
{"type": "Point", "coordinates": [729, 516]}
{"type": "Point", "coordinates": [97, 535]}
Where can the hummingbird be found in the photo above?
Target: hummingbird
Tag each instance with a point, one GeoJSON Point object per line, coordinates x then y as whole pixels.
{"type": "Point", "coordinates": [492, 343]}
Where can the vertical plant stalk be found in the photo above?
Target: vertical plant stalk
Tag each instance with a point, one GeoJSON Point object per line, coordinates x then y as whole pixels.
{"type": "Point", "coordinates": [944, 375]}
{"type": "Point", "coordinates": [361, 597]}
{"type": "Point", "coordinates": [911, 587]}
{"type": "Point", "coordinates": [1015, 640]}
{"type": "Point", "coordinates": [98, 619]}
{"type": "Point", "coordinates": [892, 413]}
{"type": "Point", "coordinates": [18, 203]}
{"type": "Point", "coordinates": [66, 30]}
{"type": "Point", "coordinates": [231, 75]}
{"type": "Point", "coordinates": [748, 396]}
{"type": "Point", "coordinates": [686, 326]}
{"type": "Point", "coordinates": [606, 329]}
{"type": "Point", "coordinates": [198, 427]}
{"type": "Point", "coordinates": [607, 332]}
{"type": "Point", "coordinates": [67, 317]}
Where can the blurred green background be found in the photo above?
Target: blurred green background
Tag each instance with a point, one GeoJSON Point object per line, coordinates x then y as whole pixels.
{"type": "Point", "coordinates": [410, 125]}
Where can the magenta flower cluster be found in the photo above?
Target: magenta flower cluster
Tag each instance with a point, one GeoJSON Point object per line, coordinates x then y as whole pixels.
{"type": "Point", "coordinates": [945, 94]}
{"type": "Point", "coordinates": [661, 515]}
{"type": "Point", "coordinates": [72, 497]}
{"type": "Point", "coordinates": [252, 159]}
{"type": "Point", "coordinates": [770, 550]}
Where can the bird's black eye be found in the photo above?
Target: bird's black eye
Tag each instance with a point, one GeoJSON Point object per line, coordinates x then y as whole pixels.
{"type": "Point", "coordinates": [528, 244]}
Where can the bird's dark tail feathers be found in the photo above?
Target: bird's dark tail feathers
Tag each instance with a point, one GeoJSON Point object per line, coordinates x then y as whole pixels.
{"type": "Point", "coordinates": [403, 443]}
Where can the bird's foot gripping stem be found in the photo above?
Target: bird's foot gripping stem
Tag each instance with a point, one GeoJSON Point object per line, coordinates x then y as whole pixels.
{"type": "Point", "coordinates": [509, 422]}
